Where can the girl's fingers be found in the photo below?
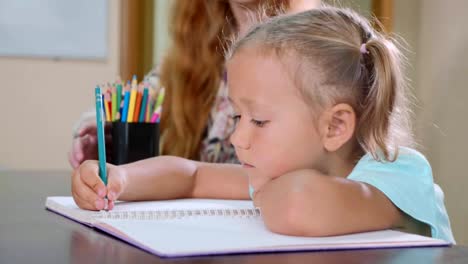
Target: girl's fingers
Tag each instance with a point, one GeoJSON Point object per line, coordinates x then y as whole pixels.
{"type": "Point", "coordinates": [88, 189]}
{"type": "Point", "coordinates": [84, 196]}
{"type": "Point", "coordinates": [115, 184]}
{"type": "Point", "coordinates": [89, 175]}
{"type": "Point", "coordinates": [83, 203]}
{"type": "Point", "coordinates": [110, 205]}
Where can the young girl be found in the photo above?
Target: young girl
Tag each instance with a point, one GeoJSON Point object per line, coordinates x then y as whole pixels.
{"type": "Point", "coordinates": [321, 132]}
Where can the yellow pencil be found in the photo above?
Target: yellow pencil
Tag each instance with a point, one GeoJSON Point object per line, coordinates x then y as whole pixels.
{"type": "Point", "coordinates": [133, 95]}
{"type": "Point", "coordinates": [115, 108]}
{"type": "Point", "coordinates": [106, 106]}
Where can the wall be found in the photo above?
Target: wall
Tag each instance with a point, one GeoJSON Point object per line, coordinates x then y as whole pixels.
{"type": "Point", "coordinates": [41, 99]}
{"type": "Point", "coordinates": [161, 35]}
{"type": "Point", "coordinates": [442, 78]}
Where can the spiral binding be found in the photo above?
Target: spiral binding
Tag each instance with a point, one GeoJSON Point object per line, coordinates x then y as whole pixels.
{"type": "Point", "coordinates": [177, 214]}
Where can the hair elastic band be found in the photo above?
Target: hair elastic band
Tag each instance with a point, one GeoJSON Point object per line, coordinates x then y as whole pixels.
{"type": "Point", "coordinates": [363, 49]}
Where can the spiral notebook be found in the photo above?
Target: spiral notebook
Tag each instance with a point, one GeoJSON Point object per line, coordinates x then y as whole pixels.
{"type": "Point", "coordinates": [193, 227]}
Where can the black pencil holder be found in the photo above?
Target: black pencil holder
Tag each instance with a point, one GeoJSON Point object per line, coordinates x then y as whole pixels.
{"type": "Point", "coordinates": [134, 141]}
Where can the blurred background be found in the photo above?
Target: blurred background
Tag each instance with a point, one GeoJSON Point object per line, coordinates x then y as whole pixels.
{"type": "Point", "coordinates": [54, 52]}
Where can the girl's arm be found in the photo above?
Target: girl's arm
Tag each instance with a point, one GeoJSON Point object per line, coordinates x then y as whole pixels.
{"type": "Point", "coordinates": [169, 177]}
{"type": "Point", "coordinates": [158, 178]}
{"type": "Point", "coordinates": [308, 203]}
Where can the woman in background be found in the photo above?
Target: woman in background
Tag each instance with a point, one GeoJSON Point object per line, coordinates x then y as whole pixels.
{"type": "Point", "coordinates": [195, 121]}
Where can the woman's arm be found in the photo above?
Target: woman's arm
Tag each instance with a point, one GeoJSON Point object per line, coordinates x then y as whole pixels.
{"type": "Point", "coordinates": [307, 203]}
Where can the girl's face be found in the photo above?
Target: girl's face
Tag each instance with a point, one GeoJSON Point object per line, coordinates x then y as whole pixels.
{"type": "Point", "coordinates": [275, 131]}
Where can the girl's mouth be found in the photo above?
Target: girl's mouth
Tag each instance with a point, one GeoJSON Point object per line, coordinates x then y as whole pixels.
{"type": "Point", "coordinates": [247, 166]}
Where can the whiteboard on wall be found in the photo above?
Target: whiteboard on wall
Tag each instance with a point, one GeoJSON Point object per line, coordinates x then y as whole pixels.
{"type": "Point", "coordinates": [56, 29]}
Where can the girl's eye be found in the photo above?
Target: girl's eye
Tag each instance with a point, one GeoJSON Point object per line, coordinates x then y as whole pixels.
{"type": "Point", "coordinates": [258, 122]}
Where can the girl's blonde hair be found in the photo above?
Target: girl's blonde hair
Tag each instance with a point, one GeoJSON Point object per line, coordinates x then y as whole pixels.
{"type": "Point", "coordinates": [351, 63]}
{"type": "Point", "coordinates": [193, 68]}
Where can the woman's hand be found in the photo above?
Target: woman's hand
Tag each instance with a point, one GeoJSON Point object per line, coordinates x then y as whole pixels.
{"type": "Point", "coordinates": [84, 144]}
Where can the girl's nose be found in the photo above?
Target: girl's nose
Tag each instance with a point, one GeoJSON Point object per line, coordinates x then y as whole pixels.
{"type": "Point", "coordinates": [240, 137]}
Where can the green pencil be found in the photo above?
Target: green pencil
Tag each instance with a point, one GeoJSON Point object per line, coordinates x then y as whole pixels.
{"type": "Point", "coordinates": [118, 98]}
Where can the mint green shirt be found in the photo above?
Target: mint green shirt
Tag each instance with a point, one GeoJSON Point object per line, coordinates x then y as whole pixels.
{"type": "Point", "coordinates": [408, 183]}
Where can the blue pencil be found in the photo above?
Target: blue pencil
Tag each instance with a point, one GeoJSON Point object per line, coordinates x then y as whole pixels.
{"type": "Point", "coordinates": [125, 106]}
{"type": "Point", "coordinates": [100, 135]}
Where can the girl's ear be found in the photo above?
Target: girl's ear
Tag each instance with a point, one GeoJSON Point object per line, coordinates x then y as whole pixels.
{"type": "Point", "coordinates": [337, 126]}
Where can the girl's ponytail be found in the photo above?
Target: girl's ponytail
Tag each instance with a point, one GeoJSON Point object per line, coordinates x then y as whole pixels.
{"type": "Point", "coordinates": [382, 98]}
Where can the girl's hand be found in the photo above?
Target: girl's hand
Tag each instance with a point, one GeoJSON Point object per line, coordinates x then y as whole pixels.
{"type": "Point", "coordinates": [309, 203]}
{"type": "Point", "coordinates": [281, 200]}
{"type": "Point", "coordinates": [88, 190]}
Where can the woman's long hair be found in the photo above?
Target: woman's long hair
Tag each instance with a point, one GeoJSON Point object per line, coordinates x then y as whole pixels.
{"type": "Point", "coordinates": [192, 70]}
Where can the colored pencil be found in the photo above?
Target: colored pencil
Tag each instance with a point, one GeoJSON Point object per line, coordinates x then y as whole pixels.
{"type": "Point", "coordinates": [100, 135]}
{"type": "Point", "coordinates": [119, 98]}
{"type": "Point", "coordinates": [125, 106]}
{"type": "Point", "coordinates": [106, 106]}
{"type": "Point", "coordinates": [144, 103]}
{"type": "Point", "coordinates": [136, 115]}
{"type": "Point", "coordinates": [133, 95]}
{"type": "Point", "coordinates": [114, 103]}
